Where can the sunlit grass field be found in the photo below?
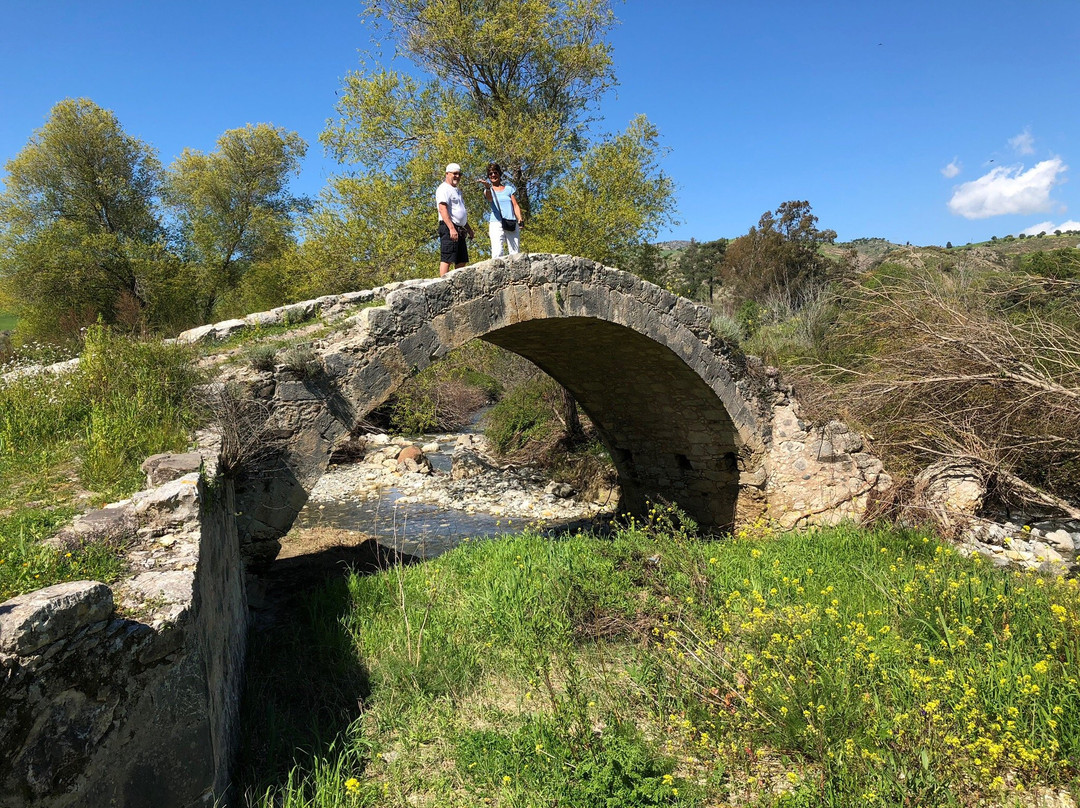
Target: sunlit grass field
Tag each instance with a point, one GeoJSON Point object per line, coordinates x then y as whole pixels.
{"type": "Point", "coordinates": [76, 440]}
{"type": "Point", "coordinates": [841, 667]}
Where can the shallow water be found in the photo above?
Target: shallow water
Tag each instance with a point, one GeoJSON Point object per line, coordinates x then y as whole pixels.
{"type": "Point", "coordinates": [418, 529]}
{"type": "Point", "coordinates": [414, 528]}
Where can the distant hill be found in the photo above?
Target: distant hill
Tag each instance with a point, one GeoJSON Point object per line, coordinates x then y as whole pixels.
{"type": "Point", "coordinates": [676, 245]}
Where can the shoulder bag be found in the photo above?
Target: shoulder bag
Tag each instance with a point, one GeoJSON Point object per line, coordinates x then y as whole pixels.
{"type": "Point", "coordinates": [509, 225]}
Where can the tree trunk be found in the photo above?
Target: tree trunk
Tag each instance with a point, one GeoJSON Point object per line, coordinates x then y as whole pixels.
{"type": "Point", "coordinates": [575, 434]}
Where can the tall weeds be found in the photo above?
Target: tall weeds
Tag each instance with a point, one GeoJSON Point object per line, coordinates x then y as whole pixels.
{"type": "Point", "coordinates": [89, 428]}
{"type": "Point", "coordinates": [952, 366]}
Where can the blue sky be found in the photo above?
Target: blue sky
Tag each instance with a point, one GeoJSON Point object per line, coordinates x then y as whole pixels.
{"type": "Point", "coordinates": [919, 121]}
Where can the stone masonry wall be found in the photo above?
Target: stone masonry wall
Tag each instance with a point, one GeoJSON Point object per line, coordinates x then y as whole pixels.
{"type": "Point", "coordinates": [128, 695]}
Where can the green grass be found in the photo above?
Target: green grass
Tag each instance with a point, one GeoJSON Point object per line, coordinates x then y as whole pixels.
{"type": "Point", "coordinates": [835, 668]}
{"type": "Point", "coordinates": [26, 564]}
{"type": "Point", "coordinates": [84, 431]}
{"type": "Point", "coordinates": [8, 321]}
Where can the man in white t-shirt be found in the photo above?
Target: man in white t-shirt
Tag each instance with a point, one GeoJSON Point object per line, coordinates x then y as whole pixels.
{"type": "Point", "coordinates": [453, 222]}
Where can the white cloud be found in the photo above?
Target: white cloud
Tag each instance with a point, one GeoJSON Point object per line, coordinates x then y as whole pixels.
{"type": "Point", "coordinates": [952, 169]}
{"type": "Point", "coordinates": [1024, 143]}
{"type": "Point", "coordinates": [1050, 227]}
{"type": "Point", "coordinates": [1008, 190]}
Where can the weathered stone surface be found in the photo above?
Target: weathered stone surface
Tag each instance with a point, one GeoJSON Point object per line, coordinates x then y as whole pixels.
{"type": "Point", "coordinates": [32, 621]}
{"type": "Point", "coordinates": [197, 334]}
{"type": "Point", "coordinates": [226, 328]}
{"type": "Point", "coordinates": [412, 459]}
{"type": "Point", "coordinates": [560, 490]}
{"type": "Point", "coordinates": [162, 468]}
{"type": "Point", "coordinates": [179, 498]}
{"type": "Point", "coordinates": [134, 710]}
{"type": "Point", "coordinates": [265, 318]}
{"type": "Point", "coordinates": [950, 492]}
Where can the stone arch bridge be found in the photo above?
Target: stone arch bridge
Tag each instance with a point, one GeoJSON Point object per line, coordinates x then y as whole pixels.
{"type": "Point", "coordinates": [685, 416]}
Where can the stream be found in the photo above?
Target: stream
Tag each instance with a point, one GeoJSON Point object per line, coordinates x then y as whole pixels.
{"type": "Point", "coordinates": [425, 515]}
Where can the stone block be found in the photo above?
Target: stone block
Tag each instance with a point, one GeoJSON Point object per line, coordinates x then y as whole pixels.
{"type": "Point", "coordinates": [226, 328]}
{"type": "Point", "coordinates": [264, 319]}
{"type": "Point", "coordinates": [32, 621]}
{"type": "Point", "coordinates": [161, 468]}
{"type": "Point", "coordinates": [193, 335]}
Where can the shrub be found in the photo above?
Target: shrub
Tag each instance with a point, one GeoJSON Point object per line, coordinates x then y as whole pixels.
{"type": "Point", "coordinates": [140, 404]}
{"type": "Point", "coordinates": [447, 394]}
{"type": "Point", "coordinates": [262, 356]}
{"type": "Point", "coordinates": [302, 360]}
{"type": "Point", "coordinates": [524, 416]}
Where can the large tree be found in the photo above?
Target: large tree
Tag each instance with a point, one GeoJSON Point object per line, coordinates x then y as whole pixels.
{"type": "Point", "coordinates": [79, 234]}
{"type": "Point", "coordinates": [233, 208]}
{"type": "Point", "coordinates": [516, 83]}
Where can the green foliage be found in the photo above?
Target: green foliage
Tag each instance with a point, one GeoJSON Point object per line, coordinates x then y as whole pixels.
{"type": "Point", "coordinates": [615, 199]}
{"type": "Point", "coordinates": [617, 768]}
{"type": "Point", "coordinates": [233, 210]}
{"type": "Point", "coordinates": [27, 565]}
{"type": "Point", "coordinates": [700, 269]}
{"type": "Point", "coordinates": [79, 235]}
{"type": "Point", "coordinates": [835, 668]}
{"type": "Point", "coordinates": [447, 394]}
{"type": "Point", "coordinates": [1063, 264]}
{"type": "Point", "coordinates": [125, 401]}
{"type": "Point", "coordinates": [262, 356]}
{"type": "Point", "coordinates": [514, 83]}
{"type": "Point", "coordinates": [140, 404]}
{"type": "Point", "coordinates": [302, 360]}
{"type": "Point", "coordinates": [782, 253]}
{"type": "Point", "coordinates": [524, 415]}
{"type": "Point", "coordinates": [748, 316]}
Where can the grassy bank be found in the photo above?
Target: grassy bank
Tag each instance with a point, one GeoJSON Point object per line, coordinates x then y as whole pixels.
{"type": "Point", "coordinates": [840, 668]}
{"type": "Point", "coordinates": [76, 441]}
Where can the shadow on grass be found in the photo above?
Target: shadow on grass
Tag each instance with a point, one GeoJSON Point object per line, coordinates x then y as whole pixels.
{"type": "Point", "coordinates": [305, 683]}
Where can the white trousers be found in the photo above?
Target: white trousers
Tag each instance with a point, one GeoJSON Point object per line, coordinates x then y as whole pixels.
{"type": "Point", "coordinates": [495, 230]}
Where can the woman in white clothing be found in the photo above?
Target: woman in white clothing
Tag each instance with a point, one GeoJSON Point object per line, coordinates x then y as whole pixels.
{"type": "Point", "coordinates": [504, 213]}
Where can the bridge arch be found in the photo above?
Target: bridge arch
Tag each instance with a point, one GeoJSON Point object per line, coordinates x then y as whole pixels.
{"type": "Point", "coordinates": [686, 417]}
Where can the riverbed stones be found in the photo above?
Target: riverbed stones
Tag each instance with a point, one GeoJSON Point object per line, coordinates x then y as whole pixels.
{"type": "Point", "coordinates": [468, 459]}
{"type": "Point", "coordinates": [514, 493]}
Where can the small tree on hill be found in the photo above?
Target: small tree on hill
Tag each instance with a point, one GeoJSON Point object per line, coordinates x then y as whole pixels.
{"type": "Point", "coordinates": [781, 253]}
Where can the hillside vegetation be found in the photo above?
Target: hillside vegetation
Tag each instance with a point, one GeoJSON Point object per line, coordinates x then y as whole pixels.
{"type": "Point", "coordinates": [971, 353]}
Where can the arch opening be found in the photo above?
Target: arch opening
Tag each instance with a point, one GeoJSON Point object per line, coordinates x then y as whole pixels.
{"type": "Point", "coordinates": [666, 431]}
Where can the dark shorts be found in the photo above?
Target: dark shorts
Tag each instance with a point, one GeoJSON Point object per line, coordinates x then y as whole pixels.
{"type": "Point", "coordinates": [450, 251]}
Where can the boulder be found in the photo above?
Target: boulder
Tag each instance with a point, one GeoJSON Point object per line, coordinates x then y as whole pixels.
{"type": "Point", "coordinates": [412, 459]}
{"type": "Point", "coordinates": [950, 492]}
{"type": "Point", "coordinates": [559, 490]}
{"type": "Point", "coordinates": [162, 468]}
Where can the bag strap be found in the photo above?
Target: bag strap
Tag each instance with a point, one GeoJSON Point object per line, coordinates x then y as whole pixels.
{"type": "Point", "coordinates": [495, 199]}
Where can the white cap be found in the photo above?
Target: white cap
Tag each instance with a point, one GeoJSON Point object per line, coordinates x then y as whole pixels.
{"type": "Point", "coordinates": [453, 168]}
